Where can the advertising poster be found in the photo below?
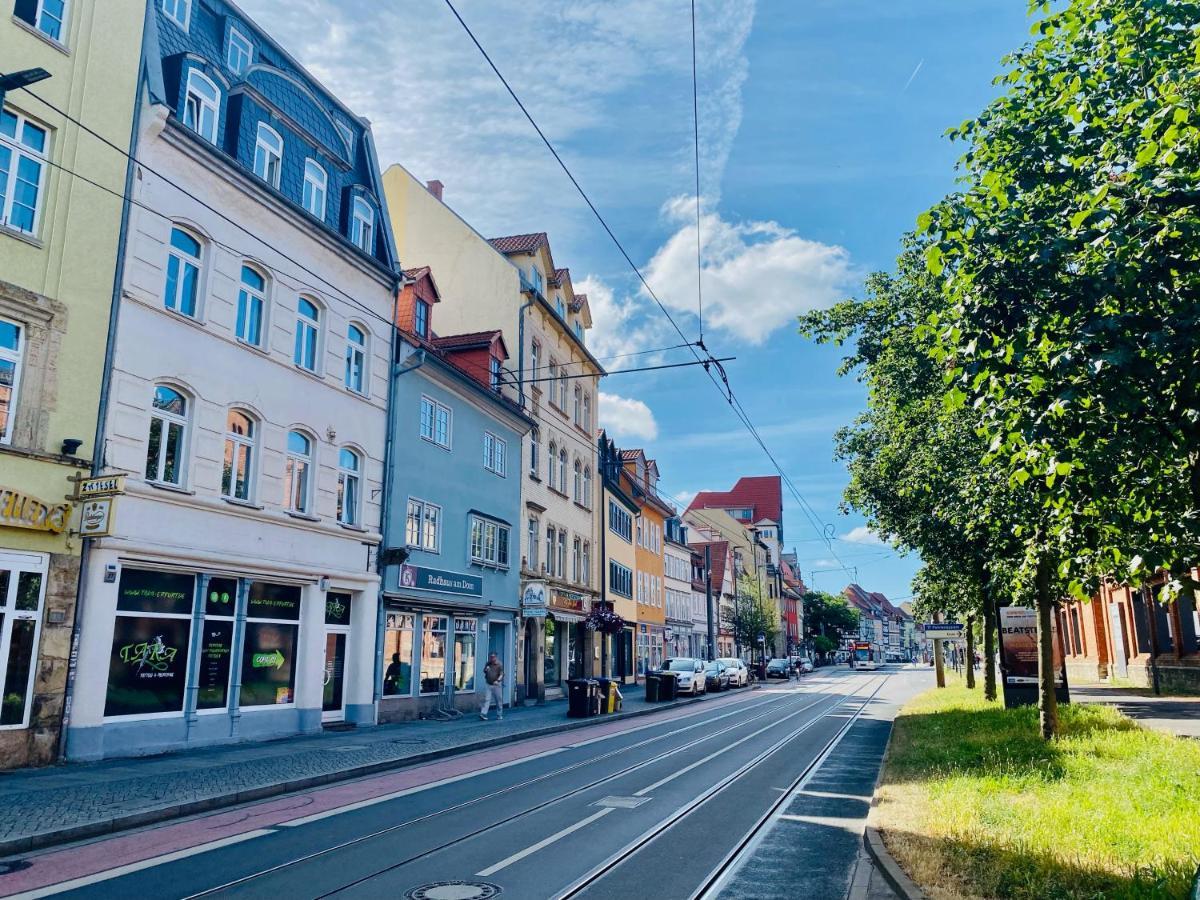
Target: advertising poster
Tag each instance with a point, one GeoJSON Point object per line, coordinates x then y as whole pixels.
{"type": "Point", "coordinates": [268, 664]}
{"type": "Point", "coordinates": [212, 672]}
{"type": "Point", "coordinates": [148, 667]}
{"type": "Point", "coordinates": [1019, 657]}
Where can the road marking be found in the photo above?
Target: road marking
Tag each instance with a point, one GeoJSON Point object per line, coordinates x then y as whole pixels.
{"type": "Point", "coordinates": [86, 880]}
{"type": "Point", "coordinates": [852, 824]}
{"type": "Point", "coordinates": [543, 843]}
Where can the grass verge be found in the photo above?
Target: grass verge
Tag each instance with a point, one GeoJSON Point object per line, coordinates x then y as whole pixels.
{"type": "Point", "coordinates": [974, 804]}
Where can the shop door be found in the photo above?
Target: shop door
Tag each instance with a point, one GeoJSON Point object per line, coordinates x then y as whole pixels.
{"type": "Point", "coordinates": [333, 699]}
{"type": "Point", "coordinates": [497, 644]}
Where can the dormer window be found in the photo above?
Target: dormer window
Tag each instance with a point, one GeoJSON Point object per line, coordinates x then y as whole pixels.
{"type": "Point", "coordinates": [560, 308]}
{"type": "Point", "coordinates": [268, 155]}
{"type": "Point", "coordinates": [201, 105]}
{"type": "Point", "coordinates": [178, 11]}
{"type": "Point", "coordinates": [316, 182]}
{"type": "Point", "coordinates": [535, 278]}
{"type": "Point", "coordinates": [494, 372]}
{"type": "Point", "coordinates": [421, 318]}
{"type": "Point", "coordinates": [240, 52]}
{"type": "Point", "coordinates": [362, 226]}
{"type": "Point", "coordinates": [579, 332]}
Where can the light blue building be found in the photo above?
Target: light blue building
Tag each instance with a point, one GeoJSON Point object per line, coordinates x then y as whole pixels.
{"type": "Point", "coordinates": [451, 557]}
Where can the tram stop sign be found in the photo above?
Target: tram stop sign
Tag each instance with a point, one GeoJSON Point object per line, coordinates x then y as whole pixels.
{"type": "Point", "coordinates": [944, 631]}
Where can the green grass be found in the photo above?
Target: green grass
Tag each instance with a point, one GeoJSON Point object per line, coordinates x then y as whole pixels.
{"type": "Point", "coordinates": [975, 804]}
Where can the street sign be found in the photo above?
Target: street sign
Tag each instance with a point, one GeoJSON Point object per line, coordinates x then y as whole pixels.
{"type": "Point", "coordinates": [100, 486]}
{"type": "Point", "coordinates": [944, 631]}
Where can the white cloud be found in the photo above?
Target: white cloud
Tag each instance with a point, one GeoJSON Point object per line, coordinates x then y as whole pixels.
{"type": "Point", "coordinates": [623, 417]}
{"type": "Point", "coordinates": [862, 535]}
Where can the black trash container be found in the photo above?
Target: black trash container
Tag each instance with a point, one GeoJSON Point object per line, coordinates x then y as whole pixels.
{"type": "Point", "coordinates": [670, 686]}
{"type": "Point", "coordinates": [581, 694]}
{"type": "Point", "coordinates": [653, 686]}
{"type": "Point", "coordinates": [595, 698]}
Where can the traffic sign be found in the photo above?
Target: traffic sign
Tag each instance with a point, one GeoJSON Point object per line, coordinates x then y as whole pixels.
{"type": "Point", "coordinates": [944, 631]}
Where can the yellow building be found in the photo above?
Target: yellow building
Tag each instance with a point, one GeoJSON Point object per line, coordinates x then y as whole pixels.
{"type": "Point", "coordinates": [59, 239]}
{"type": "Point", "coordinates": [640, 477]}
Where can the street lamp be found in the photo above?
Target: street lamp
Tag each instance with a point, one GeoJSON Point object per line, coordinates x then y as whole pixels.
{"type": "Point", "coordinates": [20, 79]}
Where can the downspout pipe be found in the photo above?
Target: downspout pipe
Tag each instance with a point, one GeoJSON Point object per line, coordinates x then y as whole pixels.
{"type": "Point", "coordinates": [521, 349]}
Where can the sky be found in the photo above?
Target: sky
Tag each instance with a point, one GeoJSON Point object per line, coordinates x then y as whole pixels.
{"type": "Point", "coordinates": [821, 139]}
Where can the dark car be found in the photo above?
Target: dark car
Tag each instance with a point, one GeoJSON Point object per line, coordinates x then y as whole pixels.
{"type": "Point", "coordinates": [778, 668]}
{"type": "Point", "coordinates": [716, 676]}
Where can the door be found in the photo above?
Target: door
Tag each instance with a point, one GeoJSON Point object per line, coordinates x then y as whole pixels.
{"type": "Point", "coordinates": [497, 632]}
{"type": "Point", "coordinates": [1118, 640]}
{"type": "Point", "coordinates": [333, 698]}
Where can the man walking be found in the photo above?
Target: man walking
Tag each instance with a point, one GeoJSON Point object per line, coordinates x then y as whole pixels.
{"type": "Point", "coordinates": [493, 675]}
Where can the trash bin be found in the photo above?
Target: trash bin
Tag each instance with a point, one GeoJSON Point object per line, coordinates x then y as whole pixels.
{"type": "Point", "coordinates": [581, 698]}
{"type": "Point", "coordinates": [614, 696]}
{"type": "Point", "coordinates": [670, 686]}
{"type": "Point", "coordinates": [605, 685]}
{"type": "Point", "coordinates": [653, 686]}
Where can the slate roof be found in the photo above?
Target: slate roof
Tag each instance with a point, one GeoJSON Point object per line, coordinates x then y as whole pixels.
{"type": "Point", "coordinates": [519, 243]}
{"type": "Point", "coordinates": [762, 494]}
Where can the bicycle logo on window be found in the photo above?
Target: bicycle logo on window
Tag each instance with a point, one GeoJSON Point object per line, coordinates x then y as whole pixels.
{"type": "Point", "coordinates": [153, 655]}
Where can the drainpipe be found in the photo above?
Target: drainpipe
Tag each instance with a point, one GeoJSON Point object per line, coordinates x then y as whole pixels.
{"type": "Point", "coordinates": [521, 349]}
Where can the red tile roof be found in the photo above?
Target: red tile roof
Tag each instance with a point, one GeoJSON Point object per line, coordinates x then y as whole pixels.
{"type": "Point", "coordinates": [720, 550]}
{"type": "Point", "coordinates": [762, 494]}
{"type": "Point", "coordinates": [463, 341]}
{"type": "Point", "coordinates": [558, 276]}
{"type": "Point", "coordinates": [631, 454]}
{"type": "Point", "coordinates": [519, 243]}
{"type": "Point", "coordinates": [577, 303]}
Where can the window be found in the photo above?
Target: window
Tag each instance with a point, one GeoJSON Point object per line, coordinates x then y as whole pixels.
{"type": "Point", "coordinates": [535, 278]}
{"type": "Point", "coordinates": [561, 565]}
{"type": "Point", "coordinates": [316, 183]}
{"type": "Point", "coordinates": [239, 456]}
{"type": "Point", "coordinates": [464, 655]}
{"type": "Point", "coordinates": [356, 359]}
{"type": "Point", "coordinates": [47, 16]}
{"type": "Point", "coordinates": [534, 450]}
{"type": "Point", "coordinates": [297, 472]}
{"type": "Point", "coordinates": [308, 334]}
{"type": "Point", "coordinates": [421, 318]}
{"type": "Point", "coordinates": [268, 155]}
{"type": "Point", "coordinates": [562, 388]}
{"type": "Point", "coordinates": [576, 559]}
{"type": "Point", "coordinates": [362, 227]}
{"type": "Point", "coordinates": [620, 522]}
{"type": "Point", "coordinates": [586, 572]}
{"type": "Point", "coordinates": [578, 481]}
{"type": "Point", "coordinates": [251, 303]}
{"type": "Point", "coordinates": [398, 650]}
{"type": "Point", "coordinates": [423, 525]}
{"type": "Point", "coordinates": [553, 456]}
{"type": "Point", "coordinates": [489, 542]}
{"type": "Point", "coordinates": [562, 469]}
{"type": "Point", "coordinates": [179, 11]}
{"type": "Point", "coordinates": [578, 408]}
{"type": "Point", "coordinates": [587, 413]}
{"type": "Point", "coordinates": [240, 52]}
{"type": "Point", "coordinates": [183, 273]}
{"type": "Point", "coordinates": [560, 308]}
{"type": "Point", "coordinates": [349, 489]}
{"type": "Point", "coordinates": [11, 352]}
{"type": "Point", "coordinates": [494, 452]}
{"type": "Point", "coordinates": [433, 654]}
{"type": "Point", "coordinates": [494, 372]}
{"type": "Point", "coordinates": [535, 354]}
{"type": "Point", "coordinates": [201, 105]}
{"type": "Point", "coordinates": [347, 136]}
{"type": "Point", "coordinates": [553, 382]}
{"type": "Point", "coordinates": [578, 329]}
{"type": "Point", "coordinates": [587, 486]}
{"type": "Point", "coordinates": [435, 422]}
{"type": "Point", "coordinates": [620, 579]}
{"type": "Point", "coordinates": [216, 643]}
{"type": "Point", "coordinates": [550, 536]}
{"type": "Point", "coordinates": [534, 531]}
{"type": "Point", "coordinates": [22, 162]}
{"type": "Point", "coordinates": [167, 442]}
{"type": "Point", "coordinates": [269, 644]}
{"type": "Point", "coordinates": [22, 594]}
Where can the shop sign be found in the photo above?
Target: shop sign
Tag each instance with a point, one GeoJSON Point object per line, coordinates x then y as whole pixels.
{"type": "Point", "coordinates": [150, 591]}
{"type": "Point", "coordinates": [96, 517]}
{"type": "Point", "coordinates": [439, 581]}
{"type": "Point", "coordinates": [101, 486]}
{"type": "Point", "coordinates": [148, 666]}
{"type": "Point", "coordinates": [337, 608]}
{"type": "Point", "coordinates": [268, 600]}
{"type": "Point", "coordinates": [567, 600]}
{"type": "Point", "coordinates": [464, 626]}
{"type": "Point", "coordinates": [220, 598]}
{"type": "Point", "coordinates": [533, 600]}
{"type": "Point", "coordinates": [18, 510]}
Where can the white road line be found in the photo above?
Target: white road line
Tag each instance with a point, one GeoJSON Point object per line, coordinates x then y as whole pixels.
{"type": "Point", "coordinates": [139, 866]}
{"type": "Point", "coordinates": [543, 843]}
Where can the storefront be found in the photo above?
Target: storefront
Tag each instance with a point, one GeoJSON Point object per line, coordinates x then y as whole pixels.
{"type": "Point", "coordinates": [650, 646]}
{"type": "Point", "coordinates": [568, 646]}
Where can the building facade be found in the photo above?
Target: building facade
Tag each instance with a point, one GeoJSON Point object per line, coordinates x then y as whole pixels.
{"type": "Point", "coordinates": [59, 248]}
{"type": "Point", "coordinates": [639, 477]}
{"type": "Point", "coordinates": [681, 638]}
{"type": "Point", "coordinates": [237, 595]}
{"type": "Point", "coordinates": [619, 512]}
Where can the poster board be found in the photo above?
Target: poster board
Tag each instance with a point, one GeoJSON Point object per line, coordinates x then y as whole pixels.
{"type": "Point", "coordinates": [1019, 657]}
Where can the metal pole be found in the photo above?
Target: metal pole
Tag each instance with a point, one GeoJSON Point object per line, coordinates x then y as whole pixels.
{"type": "Point", "coordinates": [708, 600]}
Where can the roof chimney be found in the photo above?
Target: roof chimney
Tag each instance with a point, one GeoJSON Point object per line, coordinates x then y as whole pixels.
{"type": "Point", "coordinates": [435, 187]}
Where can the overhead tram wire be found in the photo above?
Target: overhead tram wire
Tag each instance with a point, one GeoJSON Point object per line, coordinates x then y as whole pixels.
{"type": "Point", "coordinates": [677, 365]}
{"type": "Point", "coordinates": [708, 361]}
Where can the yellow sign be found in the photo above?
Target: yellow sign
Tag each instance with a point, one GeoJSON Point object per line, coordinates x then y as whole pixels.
{"type": "Point", "coordinates": [96, 517]}
{"type": "Point", "coordinates": [100, 486]}
{"type": "Point", "coordinates": [19, 510]}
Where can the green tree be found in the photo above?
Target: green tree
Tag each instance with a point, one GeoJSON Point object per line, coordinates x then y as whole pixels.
{"type": "Point", "coordinates": [751, 615]}
{"type": "Point", "coordinates": [829, 616]}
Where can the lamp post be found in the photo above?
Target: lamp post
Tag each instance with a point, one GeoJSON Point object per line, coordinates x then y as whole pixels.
{"type": "Point", "coordinates": [20, 79]}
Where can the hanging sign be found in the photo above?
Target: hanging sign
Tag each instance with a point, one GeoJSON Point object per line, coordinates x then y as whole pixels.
{"type": "Point", "coordinates": [96, 517]}
{"type": "Point", "coordinates": [100, 486]}
{"type": "Point", "coordinates": [533, 600]}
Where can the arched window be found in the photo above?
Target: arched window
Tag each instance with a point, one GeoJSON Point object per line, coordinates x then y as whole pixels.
{"type": "Point", "coordinates": [562, 469]}
{"type": "Point", "coordinates": [534, 450]}
{"type": "Point", "coordinates": [587, 413]}
{"type": "Point", "coordinates": [241, 433]}
{"type": "Point", "coordinates": [252, 302]}
{"type": "Point", "coordinates": [297, 472]}
{"type": "Point", "coordinates": [362, 226]}
{"type": "Point", "coordinates": [316, 183]}
{"type": "Point", "coordinates": [166, 447]}
{"type": "Point", "coordinates": [268, 155]}
{"type": "Point", "coordinates": [578, 481]}
{"type": "Point", "coordinates": [553, 456]}
{"type": "Point", "coordinates": [562, 388]}
{"type": "Point", "coordinates": [587, 486]}
{"type": "Point", "coordinates": [349, 486]}
{"type": "Point", "coordinates": [578, 405]}
{"type": "Point", "coordinates": [201, 105]}
{"type": "Point", "coordinates": [308, 334]}
{"type": "Point", "coordinates": [356, 358]}
{"type": "Point", "coordinates": [184, 258]}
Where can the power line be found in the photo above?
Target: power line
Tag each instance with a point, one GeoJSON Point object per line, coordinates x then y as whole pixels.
{"type": "Point", "coordinates": [628, 371]}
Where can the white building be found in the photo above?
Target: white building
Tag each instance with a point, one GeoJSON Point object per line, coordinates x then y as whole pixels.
{"type": "Point", "coordinates": [677, 585]}
{"type": "Point", "coordinates": [237, 596]}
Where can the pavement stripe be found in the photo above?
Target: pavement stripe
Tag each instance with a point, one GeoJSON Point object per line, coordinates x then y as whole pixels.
{"type": "Point", "coordinates": [543, 843]}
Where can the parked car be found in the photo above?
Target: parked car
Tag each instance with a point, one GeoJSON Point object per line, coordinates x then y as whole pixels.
{"type": "Point", "coordinates": [739, 675]}
{"type": "Point", "coordinates": [716, 676]}
{"type": "Point", "coordinates": [806, 665]}
{"type": "Point", "coordinates": [777, 668]}
{"type": "Point", "coordinates": [689, 672]}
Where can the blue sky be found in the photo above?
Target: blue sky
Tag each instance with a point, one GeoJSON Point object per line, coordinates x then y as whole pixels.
{"type": "Point", "coordinates": [821, 139]}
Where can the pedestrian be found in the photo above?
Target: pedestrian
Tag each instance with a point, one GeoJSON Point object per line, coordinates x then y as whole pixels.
{"type": "Point", "coordinates": [493, 675]}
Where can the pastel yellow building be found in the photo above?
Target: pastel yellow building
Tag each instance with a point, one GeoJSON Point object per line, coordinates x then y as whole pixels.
{"type": "Point", "coordinates": [59, 238]}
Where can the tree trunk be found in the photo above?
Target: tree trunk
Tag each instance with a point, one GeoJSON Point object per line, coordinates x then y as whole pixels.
{"type": "Point", "coordinates": [937, 657]}
{"type": "Point", "coordinates": [1047, 700]}
{"type": "Point", "coordinates": [989, 646]}
{"type": "Point", "coordinates": [970, 660]}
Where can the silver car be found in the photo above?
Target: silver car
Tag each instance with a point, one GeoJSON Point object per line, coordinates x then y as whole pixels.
{"type": "Point", "coordinates": [689, 673]}
{"type": "Point", "coordinates": [739, 675]}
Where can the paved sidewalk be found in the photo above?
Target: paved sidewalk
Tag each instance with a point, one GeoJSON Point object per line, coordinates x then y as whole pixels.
{"type": "Point", "coordinates": [1179, 716]}
{"type": "Point", "coordinates": [39, 807]}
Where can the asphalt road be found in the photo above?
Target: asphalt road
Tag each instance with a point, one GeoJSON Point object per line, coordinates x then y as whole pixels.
{"type": "Point", "coordinates": [692, 805]}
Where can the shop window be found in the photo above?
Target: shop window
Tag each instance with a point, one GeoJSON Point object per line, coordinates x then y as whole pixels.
{"type": "Point", "coordinates": [349, 488]}
{"type": "Point", "coordinates": [22, 594]}
{"type": "Point", "coordinates": [216, 644]}
{"type": "Point", "coordinates": [12, 338]}
{"type": "Point", "coordinates": [269, 644]}
{"type": "Point", "coordinates": [433, 654]}
{"type": "Point", "coordinates": [550, 669]}
{"type": "Point", "coordinates": [252, 303]}
{"type": "Point", "coordinates": [167, 441]}
{"type": "Point", "coordinates": [148, 665]}
{"type": "Point", "coordinates": [464, 655]}
{"type": "Point", "coordinates": [238, 472]}
{"type": "Point", "coordinates": [398, 650]}
{"type": "Point", "coordinates": [297, 472]}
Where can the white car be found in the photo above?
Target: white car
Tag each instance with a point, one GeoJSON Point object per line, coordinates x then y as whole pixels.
{"type": "Point", "coordinates": [739, 675]}
{"type": "Point", "coordinates": [689, 674]}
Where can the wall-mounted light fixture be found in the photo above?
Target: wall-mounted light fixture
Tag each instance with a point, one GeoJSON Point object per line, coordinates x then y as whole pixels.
{"type": "Point", "coordinates": [70, 446]}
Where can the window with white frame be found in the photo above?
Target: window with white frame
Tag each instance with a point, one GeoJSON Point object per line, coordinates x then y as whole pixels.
{"type": "Point", "coordinates": [495, 451]}
{"type": "Point", "coordinates": [349, 489]}
{"type": "Point", "coordinates": [494, 372]}
{"type": "Point", "coordinates": [178, 11]}
{"type": "Point", "coordinates": [578, 408]}
{"type": "Point", "coordinates": [201, 105]}
{"type": "Point", "coordinates": [489, 542]}
{"type": "Point", "coordinates": [562, 469]}
{"type": "Point", "coordinates": [297, 473]}
{"type": "Point", "coordinates": [252, 302]}
{"type": "Point", "coordinates": [578, 481]}
{"type": "Point", "coordinates": [553, 457]}
{"type": "Point", "coordinates": [166, 446]}
{"type": "Point", "coordinates": [23, 160]}
{"type": "Point", "coordinates": [576, 559]}
{"type": "Point", "coordinates": [561, 565]}
{"type": "Point", "coordinates": [535, 354]}
{"type": "Point", "coordinates": [423, 525]}
{"type": "Point", "coordinates": [586, 571]}
{"type": "Point", "coordinates": [12, 352]}
{"type": "Point", "coordinates": [237, 477]}
{"type": "Point", "coordinates": [362, 225]}
{"type": "Point", "coordinates": [436, 422]}
{"type": "Point", "coordinates": [532, 537]}
{"type": "Point", "coordinates": [22, 596]}
{"type": "Point", "coordinates": [553, 376]}
{"type": "Point", "coordinates": [316, 185]}
{"type": "Point", "coordinates": [534, 451]}
{"type": "Point", "coordinates": [587, 486]}
{"type": "Point", "coordinates": [184, 258]}
{"type": "Point", "coordinates": [268, 155]}
{"type": "Point", "coordinates": [47, 16]}
{"type": "Point", "coordinates": [347, 135]}
{"type": "Point", "coordinates": [562, 388]}
{"type": "Point", "coordinates": [356, 358]}
{"type": "Point", "coordinates": [551, 537]}
{"type": "Point", "coordinates": [240, 52]}
{"type": "Point", "coordinates": [308, 334]}
{"type": "Point", "coordinates": [587, 413]}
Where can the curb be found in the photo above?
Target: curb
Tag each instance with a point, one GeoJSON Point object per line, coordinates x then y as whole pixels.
{"type": "Point", "coordinates": [895, 876]}
{"type": "Point", "coordinates": [151, 816]}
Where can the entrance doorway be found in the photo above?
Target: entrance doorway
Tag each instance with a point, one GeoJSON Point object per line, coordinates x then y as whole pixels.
{"type": "Point", "coordinates": [498, 644]}
{"type": "Point", "coordinates": [337, 635]}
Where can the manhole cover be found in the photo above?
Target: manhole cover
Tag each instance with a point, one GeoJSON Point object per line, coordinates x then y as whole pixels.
{"type": "Point", "coordinates": [454, 890]}
{"type": "Point", "coordinates": [622, 802]}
